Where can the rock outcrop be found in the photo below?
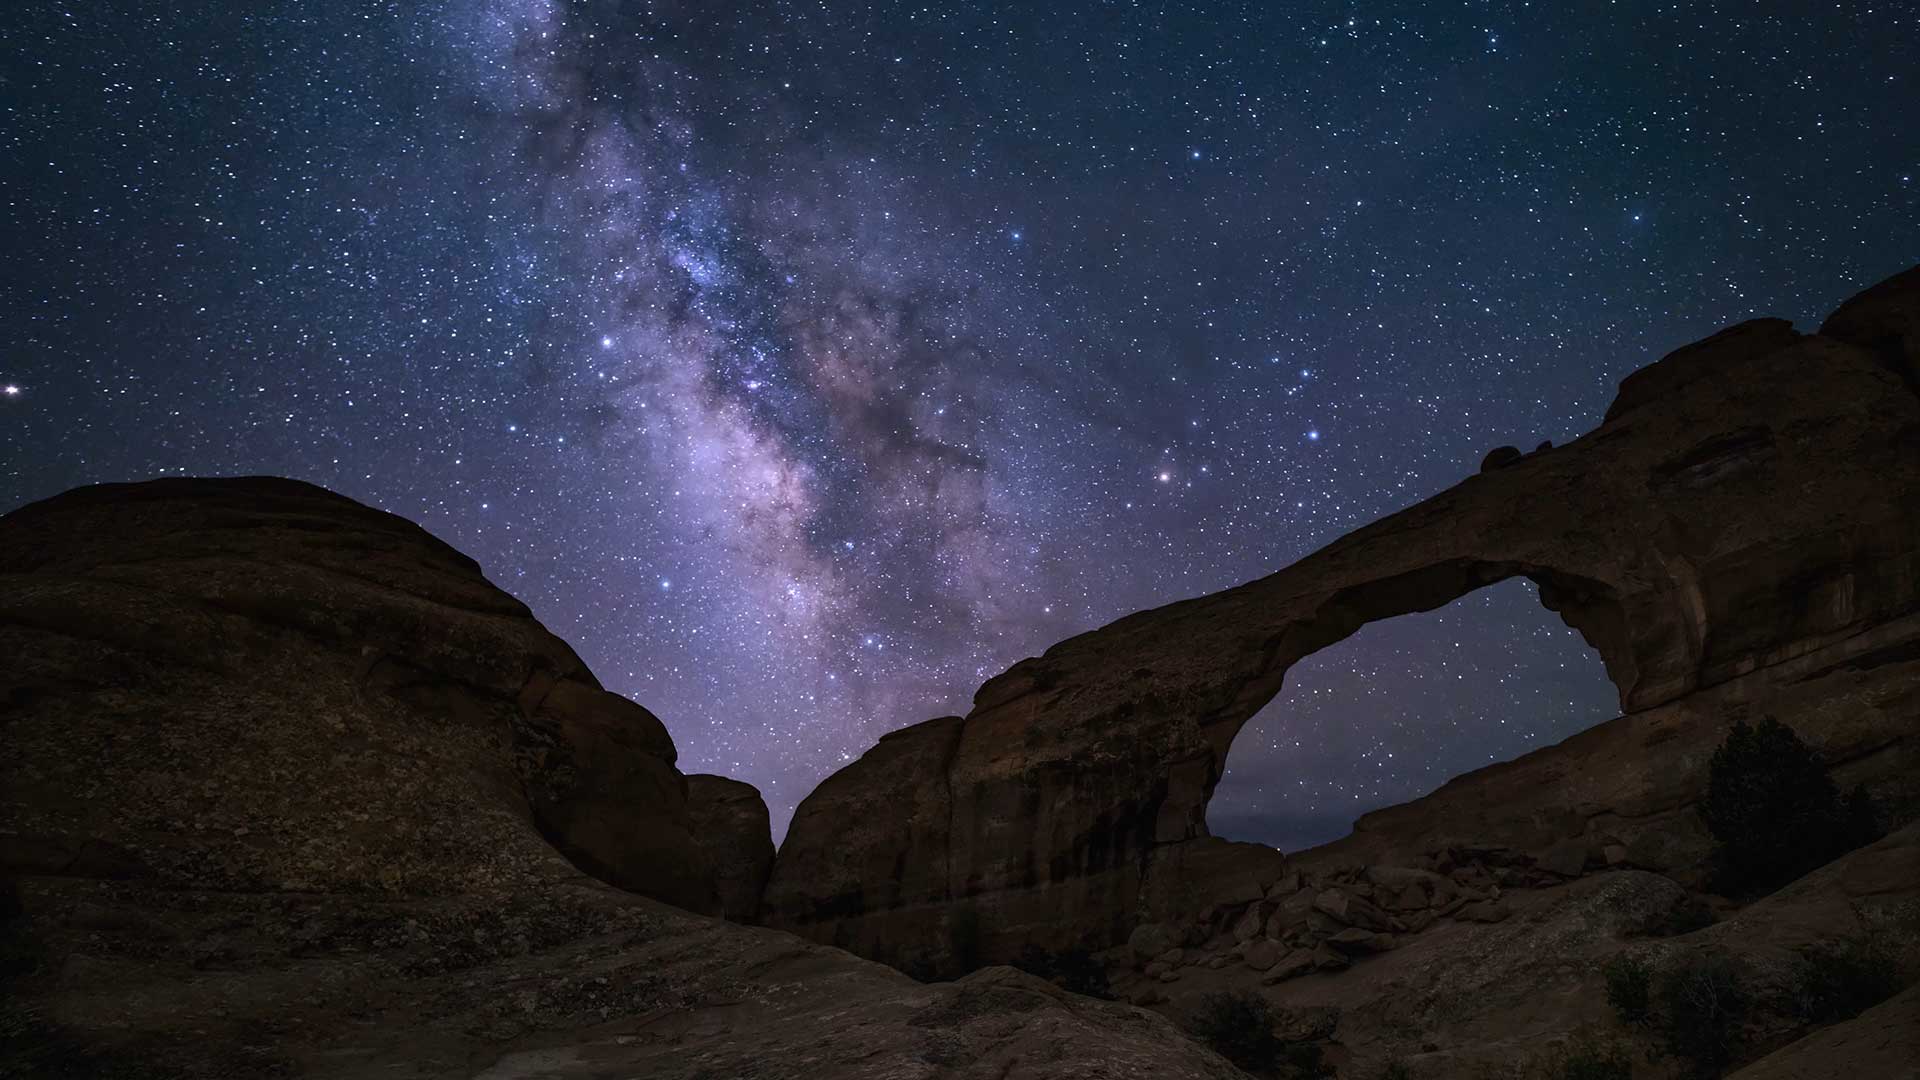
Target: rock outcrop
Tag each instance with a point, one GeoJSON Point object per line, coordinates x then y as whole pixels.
{"type": "Point", "coordinates": [290, 789]}
{"type": "Point", "coordinates": [1883, 1041]}
{"type": "Point", "coordinates": [1486, 968]}
{"type": "Point", "coordinates": [1741, 536]}
{"type": "Point", "coordinates": [292, 633]}
{"type": "Point", "coordinates": [730, 819]}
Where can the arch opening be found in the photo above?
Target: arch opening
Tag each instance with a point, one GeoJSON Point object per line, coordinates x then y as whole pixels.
{"type": "Point", "coordinates": [1395, 705]}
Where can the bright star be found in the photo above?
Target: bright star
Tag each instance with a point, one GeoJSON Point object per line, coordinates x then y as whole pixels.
{"type": "Point", "coordinates": [1313, 435]}
{"type": "Point", "coordinates": [10, 390]}
{"type": "Point", "coordinates": [606, 343]}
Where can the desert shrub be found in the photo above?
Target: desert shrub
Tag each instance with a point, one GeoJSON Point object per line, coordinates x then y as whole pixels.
{"type": "Point", "coordinates": [1773, 811]}
{"type": "Point", "coordinates": [1301, 1061]}
{"type": "Point", "coordinates": [1835, 982]}
{"type": "Point", "coordinates": [1860, 819]}
{"type": "Point", "coordinates": [1629, 987]}
{"type": "Point", "coordinates": [1072, 969]}
{"type": "Point", "coordinates": [963, 937]}
{"type": "Point", "coordinates": [1587, 1058]}
{"type": "Point", "coordinates": [1683, 916]}
{"type": "Point", "coordinates": [1698, 1010]}
{"type": "Point", "coordinates": [1240, 1026]}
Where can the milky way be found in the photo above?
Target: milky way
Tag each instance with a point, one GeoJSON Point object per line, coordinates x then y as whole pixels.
{"type": "Point", "coordinates": [805, 365]}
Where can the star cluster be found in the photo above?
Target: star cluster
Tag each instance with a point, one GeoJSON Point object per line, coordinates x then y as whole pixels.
{"type": "Point", "coordinates": [805, 364]}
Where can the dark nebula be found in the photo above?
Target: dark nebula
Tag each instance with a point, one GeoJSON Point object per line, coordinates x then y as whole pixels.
{"type": "Point", "coordinates": [804, 365]}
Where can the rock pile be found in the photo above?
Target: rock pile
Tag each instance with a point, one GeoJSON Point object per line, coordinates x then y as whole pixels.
{"type": "Point", "coordinates": [1326, 920]}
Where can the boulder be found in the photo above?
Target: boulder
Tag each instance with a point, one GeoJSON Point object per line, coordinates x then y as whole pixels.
{"type": "Point", "coordinates": [1885, 321]}
{"type": "Point", "coordinates": [1731, 350]}
{"type": "Point", "coordinates": [1483, 911]}
{"type": "Point", "coordinates": [1262, 954]}
{"type": "Point", "coordinates": [1499, 458]}
{"type": "Point", "coordinates": [1287, 885]}
{"type": "Point", "coordinates": [1150, 940]}
{"type": "Point", "coordinates": [1326, 959]}
{"type": "Point", "coordinates": [1249, 924]}
{"type": "Point", "coordinates": [1412, 898]}
{"type": "Point", "coordinates": [729, 819]}
{"type": "Point", "coordinates": [1566, 858]}
{"type": "Point", "coordinates": [1348, 909]}
{"type": "Point", "coordinates": [1399, 878]}
{"type": "Point", "coordinates": [1295, 963]}
{"type": "Point", "coordinates": [1354, 940]}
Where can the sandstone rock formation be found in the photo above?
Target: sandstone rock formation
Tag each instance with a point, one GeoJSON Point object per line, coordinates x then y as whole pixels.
{"type": "Point", "coordinates": [1740, 536]}
{"type": "Point", "coordinates": [1883, 1041]}
{"type": "Point", "coordinates": [1453, 992]}
{"type": "Point", "coordinates": [294, 634]}
{"type": "Point", "coordinates": [286, 790]}
{"type": "Point", "coordinates": [730, 819]}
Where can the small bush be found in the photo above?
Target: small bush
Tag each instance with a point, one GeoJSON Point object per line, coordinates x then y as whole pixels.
{"type": "Point", "coordinates": [1699, 1009]}
{"type": "Point", "coordinates": [1302, 1061]}
{"type": "Point", "coordinates": [1774, 812]}
{"type": "Point", "coordinates": [963, 937]}
{"type": "Point", "coordinates": [1239, 1025]}
{"type": "Point", "coordinates": [1590, 1059]}
{"type": "Point", "coordinates": [1629, 987]}
{"type": "Point", "coordinates": [1074, 969]}
{"type": "Point", "coordinates": [1860, 819]}
{"type": "Point", "coordinates": [1840, 981]}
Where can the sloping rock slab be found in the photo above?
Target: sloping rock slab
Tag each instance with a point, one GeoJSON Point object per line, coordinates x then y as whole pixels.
{"type": "Point", "coordinates": [1884, 1041]}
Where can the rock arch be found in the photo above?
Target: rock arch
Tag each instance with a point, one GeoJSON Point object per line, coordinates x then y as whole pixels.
{"type": "Point", "coordinates": [1751, 503]}
{"type": "Point", "coordinates": [1402, 705]}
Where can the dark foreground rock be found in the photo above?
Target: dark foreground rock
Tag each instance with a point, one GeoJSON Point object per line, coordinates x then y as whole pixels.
{"type": "Point", "coordinates": [730, 818]}
{"type": "Point", "coordinates": [290, 789]}
{"type": "Point", "coordinates": [1740, 537]}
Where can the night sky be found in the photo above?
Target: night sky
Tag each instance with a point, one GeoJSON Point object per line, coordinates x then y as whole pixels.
{"type": "Point", "coordinates": [805, 364]}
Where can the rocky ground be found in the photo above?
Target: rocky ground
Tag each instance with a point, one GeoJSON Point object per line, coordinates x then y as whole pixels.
{"type": "Point", "coordinates": [1456, 975]}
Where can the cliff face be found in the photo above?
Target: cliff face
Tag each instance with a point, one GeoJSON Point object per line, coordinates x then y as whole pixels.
{"type": "Point", "coordinates": [1741, 536]}
{"type": "Point", "coordinates": [289, 788]}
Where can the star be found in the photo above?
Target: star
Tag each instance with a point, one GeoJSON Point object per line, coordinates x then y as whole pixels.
{"type": "Point", "coordinates": [780, 332]}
